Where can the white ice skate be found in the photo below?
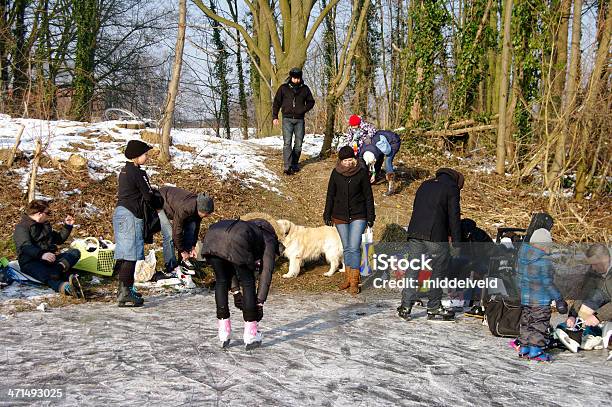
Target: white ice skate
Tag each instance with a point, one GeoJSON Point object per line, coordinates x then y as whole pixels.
{"type": "Point", "coordinates": [225, 332]}
{"type": "Point", "coordinates": [252, 338]}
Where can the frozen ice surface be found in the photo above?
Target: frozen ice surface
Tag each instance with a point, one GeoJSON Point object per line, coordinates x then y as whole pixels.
{"type": "Point", "coordinates": [320, 350]}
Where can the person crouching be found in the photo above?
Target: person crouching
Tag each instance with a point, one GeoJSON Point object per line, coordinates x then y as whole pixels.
{"type": "Point", "coordinates": [233, 247]}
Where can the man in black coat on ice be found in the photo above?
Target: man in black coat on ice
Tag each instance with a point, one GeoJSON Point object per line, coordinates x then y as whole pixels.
{"type": "Point", "coordinates": [436, 216]}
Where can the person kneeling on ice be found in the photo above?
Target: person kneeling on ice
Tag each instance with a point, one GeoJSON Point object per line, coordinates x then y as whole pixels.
{"type": "Point", "coordinates": [383, 147]}
{"type": "Point", "coordinates": [36, 244]}
{"type": "Point", "coordinates": [186, 210]}
{"type": "Point", "coordinates": [594, 305]}
{"type": "Point", "coordinates": [535, 272]}
{"type": "Point", "coordinates": [233, 247]}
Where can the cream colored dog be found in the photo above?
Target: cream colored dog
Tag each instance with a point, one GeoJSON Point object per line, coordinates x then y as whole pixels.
{"type": "Point", "coordinates": [304, 244]}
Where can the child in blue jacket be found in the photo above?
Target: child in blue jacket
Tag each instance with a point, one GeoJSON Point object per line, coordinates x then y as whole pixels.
{"type": "Point", "coordinates": [538, 290]}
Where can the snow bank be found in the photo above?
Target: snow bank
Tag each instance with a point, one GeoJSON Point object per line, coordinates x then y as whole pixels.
{"type": "Point", "coordinates": [101, 144]}
{"type": "Point", "coordinates": [311, 146]}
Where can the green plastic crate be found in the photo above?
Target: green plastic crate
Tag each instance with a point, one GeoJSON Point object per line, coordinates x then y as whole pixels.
{"type": "Point", "coordinates": [100, 261]}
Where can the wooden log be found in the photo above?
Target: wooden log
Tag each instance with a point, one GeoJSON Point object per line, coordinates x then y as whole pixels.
{"type": "Point", "coordinates": [11, 159]}
{"type": "Point", "coordinates": [456, 132]}
{"type": "Point", "coordinates": [35, 161]}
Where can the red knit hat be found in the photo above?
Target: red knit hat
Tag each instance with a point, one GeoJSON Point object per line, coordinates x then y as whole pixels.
{"type": "Point", "coordinates": [354, 120]}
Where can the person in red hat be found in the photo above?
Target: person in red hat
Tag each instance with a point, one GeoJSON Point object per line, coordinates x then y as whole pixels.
{"type": "Point", "coordinates": [359, 134]}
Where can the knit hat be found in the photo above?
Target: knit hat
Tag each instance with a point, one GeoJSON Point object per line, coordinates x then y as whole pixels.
{"type": "Point", "coordinates": [541, 236]}
{"type": "Point", "coordinates": [136, 148]}
{"type": "Point", "coordinates": [295, 73]}
{"type": "Point", "coordinates": [346, 152]}
{"type": "Point", "coordinates": [205, 203]}
{"type": "Point", "coordinates": [369, 158]}
{"type": "Point", "coordinates": [354, 120]}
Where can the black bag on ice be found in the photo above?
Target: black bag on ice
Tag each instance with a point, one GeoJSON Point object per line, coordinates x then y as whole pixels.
{"type": "Point", "coordinates": [503, 316]}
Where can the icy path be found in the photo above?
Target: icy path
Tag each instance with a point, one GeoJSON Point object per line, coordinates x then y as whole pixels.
{"type": "Point", "coordinates": [318, 350]}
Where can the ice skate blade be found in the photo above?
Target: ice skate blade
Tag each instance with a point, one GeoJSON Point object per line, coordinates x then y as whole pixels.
{"type": "Point", "coordinates": [129, 305]}
{"type": "Point", "coordinates": [254, 345]}
{"type": "Point", "coordinates": [441, 319]}
{"type": "Point", "coordinates": [225, 344]}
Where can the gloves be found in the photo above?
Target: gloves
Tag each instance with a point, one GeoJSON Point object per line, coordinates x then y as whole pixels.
{"type": "Point", "coordinates": [259, 311]}
{"type": "Point", "coordinates": [561, 306]}
{"type": "Point", "coordinates": [370, 223]}
{"type": "Point", "coordinates": [329, 222]}
{"type": "Point", "coordinates": [237, 299]}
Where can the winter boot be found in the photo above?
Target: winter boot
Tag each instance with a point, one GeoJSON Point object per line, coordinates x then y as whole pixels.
{"type": "Point", "coordinates": [590, 342]}
{"type": "Point", "coordinates": [536, 353]}
{"type": "Point", "coordinates": [74, 281]}
{"type": "Point", "coordinates": [404, 312]}
{"type": "Point", "coordinates": [225, 331]}
{"type": "Point", "coordinates": [391, 180]}
{"type": "Point", "coordinates": [127, 294]}
{"type": "Point", "coordinates": [252, 338]}
{"type": "Point", "coordinates": [67, 290]}
{"type": "Point", "coordinates": [440, 314]}
{"type": "Point", "coordinates": [347, 278]}
{"type": "Point", "coordinates": [523, 351]}
{"type": "Point", "coordinates": [475, 312]}
{"type": "Point", "coordinates": [570, 339]}
{"type": "Point", "coordinates": [606, 334]}
{"type": "Point", "coordinates": [355, 280]}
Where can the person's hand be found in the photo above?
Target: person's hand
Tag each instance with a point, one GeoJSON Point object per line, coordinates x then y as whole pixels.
{"type": "Point", "coordinates": [591, 320]}
{"type": "Point", "coordinates": [370, 223]}
{"type": "Point", "coordinates": [372, 179]}
{"type": "Point", "coordinates": [185, 255]}
{"type": "Point", "coordinates": [50, 257]}
{"type": "Point", "coordinates": [69, 220]}
{"type": "Point", "coordinates": [259, 311]}
{"type": "Point", "coordinates": [237, 299]}
{"type": "Point", "coordinates": [275, 122]}
{"type": "Point", "coordinates": [561, 306]}
{"type": "Point", "coordinates": [193, 253]}
{"type": "Point", "coordinates": [570, 322]}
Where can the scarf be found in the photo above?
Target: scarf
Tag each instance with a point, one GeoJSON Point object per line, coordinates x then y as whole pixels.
{"type": "Point", "coordinates": [347, 171]}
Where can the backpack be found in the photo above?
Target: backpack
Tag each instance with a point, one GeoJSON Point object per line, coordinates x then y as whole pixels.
{"type": "Point", "coordinates": [503, 316]}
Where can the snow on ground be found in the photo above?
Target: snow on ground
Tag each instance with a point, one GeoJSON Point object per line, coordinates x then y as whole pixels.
{"type": "Point", "coordinates": [311, 146]}
{"type": "Point", "coordinates": [101, 144]}
{"type": "Point", "coordinates": [331, 350]}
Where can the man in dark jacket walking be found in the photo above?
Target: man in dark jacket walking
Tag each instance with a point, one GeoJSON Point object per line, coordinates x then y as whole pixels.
{"type": "Point", "coordinates": [435, 217]}
{"type": "Point", "coordinates": [186, 210]}
{"type": "Point", "coordinates": [294, 99]}
{"type": "Point", "coordinates": [36, 243]}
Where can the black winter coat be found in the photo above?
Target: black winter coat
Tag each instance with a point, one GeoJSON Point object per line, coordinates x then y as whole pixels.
{"type": "Point", "coordinates": [436, 212]}
{"type": "Point", "coordinates": [294, 101]}
{"type": "Point", "coordinates": [33, 239]}
{"type": "Point", "coordinates": [134, 187]}
{"type": "Point", "coordinates": [349, 198]}
{"type": "Point", "coordinates": [243, 243]}
{"type": "Point", "coordinates": [181, 207]}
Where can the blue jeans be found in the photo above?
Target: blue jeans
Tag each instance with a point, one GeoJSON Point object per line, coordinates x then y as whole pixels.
{"type": "Point", "coordinates": [189, 239]}
{"type": "Point", "coordinates": [128, 231]}
{"type": "Point", "coordinates": [291, 155]}
{"type": "Point", "coordinates": [350, 235]}
{"type": "Point", "coordinates": [389, 162]}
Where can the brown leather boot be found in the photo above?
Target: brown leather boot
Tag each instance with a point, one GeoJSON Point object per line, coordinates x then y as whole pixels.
{"type": "Point", "coordinates": [391, 180]}
{"type": "Point", "coordinates": [355, 281]}
{"type": "Point", "coordinates": [347, 278]}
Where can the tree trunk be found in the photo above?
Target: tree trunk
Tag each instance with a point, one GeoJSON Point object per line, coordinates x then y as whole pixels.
{"type": "Point", "coordinates": [4, 50]}
{"type": "Point", "coordinates": [331, 105]}
{"type": "Point", "coordinates": [503, 91]}
{"type": "Point", "coordinates": [560, 58]}
{"type": "Point", "coordinates": [34, 171]}
{"type": "Point", "coordinates": [164, 153]}
{"type": "Point", "coordinates": [242, 100]}
{"type": "Point", "coordinates": [86, 15]}
{"type": "Point", "coordinates": [584, 173]}
{"type": "Point", "coordinates": [20, 57]}
{"type": "Point", "coordinates": [570, 101]}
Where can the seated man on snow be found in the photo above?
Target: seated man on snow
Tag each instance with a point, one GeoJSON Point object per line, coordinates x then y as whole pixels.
{"type": "Point", "coordinates": [595, 306]}
{"type": "Point", "coordinates": [36, 244]}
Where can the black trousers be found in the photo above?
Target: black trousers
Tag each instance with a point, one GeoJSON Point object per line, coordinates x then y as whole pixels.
{"type": "Point", "coordinates": [53, 274]}
{"type": "Point", "coordinates": [224, 272]}
{"type": "Point", "coordinates": [534, 325]}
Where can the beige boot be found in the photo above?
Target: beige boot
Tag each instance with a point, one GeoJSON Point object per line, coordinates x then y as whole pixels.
{"type": "Point", "coordinates": [391, 180]}
{"type": "Point", "coordinates": [347, 278]}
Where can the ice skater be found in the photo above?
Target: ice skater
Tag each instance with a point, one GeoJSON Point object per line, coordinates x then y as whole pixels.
{"type": "Point", "coordinates": [233, 248]}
